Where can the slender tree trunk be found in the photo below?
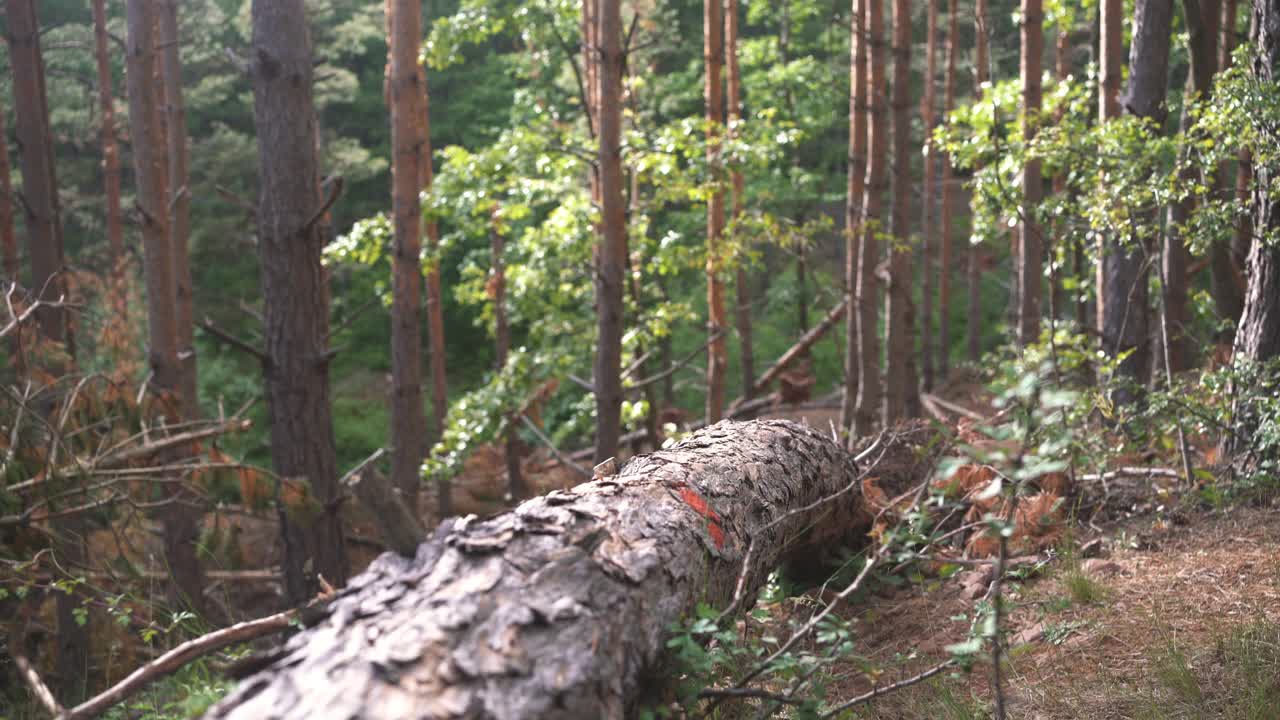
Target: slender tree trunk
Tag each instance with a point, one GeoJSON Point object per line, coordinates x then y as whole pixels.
{"type": "Point", "coordinates": [1061, 234]}
{"type": "Point", "coordinates": [179, 203]}
{"type": "Point", "coordinates": [408, 101]}
{"type": "Point", "coordinates": [853, 210]}
{"type": "Point", "coordinates": [611, 255]}
{"type": "Point", "coordinates": [1030, 242]}
{"type": "Point", "coordinates": [898, 298]}
{"type": "Point", "coordinates": [146, 118]}
{"type": "Point", "coordinates": [516, 489]}
{"type": "Point", "coordinates": [1258, 336]}
{"type": "Point", "coordinates": [1227, 255]}
{"type": "Point", "coordinates": [435, 306]}
{"type": "Point", "coordinates": [981, 71]}
{"type": "Point", "coordinates": [869, 382]}
{"type": "Point", "coordinates": [8, 236]}
{"type": "Point", "coordinates": [713, 57]}
{"type": "Point", "coordinates": [742, 283]}
{"type": "Point", "coordinates": [946, 232]}
{"type": "Point", "coordinates": [1111, 49]}
{"type": "Point", "coordinates": [928, 225]}
{"type": "Point", "coordinates": [107, 132]}
{"type": "Point", "coordinates": [295, 305]}
{"type": "Point", "coordinates": [44, 251]}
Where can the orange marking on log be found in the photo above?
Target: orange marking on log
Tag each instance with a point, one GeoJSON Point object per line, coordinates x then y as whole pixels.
{"type": "Point", "coordinates": [700, 506]}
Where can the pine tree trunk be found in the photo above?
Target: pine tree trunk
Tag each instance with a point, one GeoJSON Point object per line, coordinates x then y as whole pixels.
{"type": "Point", "coordinates": [107, 133]}
{"type": "Point", "coordinates": [1110, 51]}
{"type": "Point", "coordinates": [562, 608]}
{"type": "Point", "coordinates": [946, 232]}
{"type": "Point", "coordinates": [1030, 241]}
{"type": "Point", "coordinates": [713, 57]}
{"type": "Point", "coordinates": [929, 227]}
{"type": "Point", "coordinates": [870, 390]}
{"type": "Point", "coordinates": [295, 301]}
{"type": "Point", "coordinates": [981, 73]}
{"type": "Point", "coordinates": [407, 101]}
{"type": "Point", "coordinates": [854, 216]}
{"type": "Point", "coordinates": [435, 305]}
{"type": "Point", "coordinates": [897, 313]}
{"type": "Point", "coordinates": [733, 80]}
{"type": "Point", "coordinates": [146, 119]}
{"type": "Point", "coordinates": [611, 255]}
{"type": "Point", "coordinates": [179, 203]}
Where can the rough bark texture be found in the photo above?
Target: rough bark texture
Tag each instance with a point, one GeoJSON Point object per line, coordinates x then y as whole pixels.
{"type": "Point", "coordinates": [733, 81]}
{"type": "Point", "coordinates": [853, 208]}
{"type": "Point", "coordinates": [897, 313]}
{"type": "Point", "coordinates": [408, 105]}
{"type": "Point", "coordinates": [295, 305]}
{"type": "Point", "coordinates": [107, 133]}
{"type": "Point", "coordinates": [1030, 246]}
{"type": "Point", "coordinates": [946, 234]}
{"type": "Point", "coordinates": [981, 73]}
{"type": "Point", "coordinates": [713, 59]}
{"type": "Point", "coordinates": [178, 203]}
{"type": "Point", "coordinates": [867, 410]}
{"type": "Point", "coordinates": [611, 253]}
{"type": "Point", "coordinates": [560, 608]}
{"type": "Point", "coordinates": [1258, 335]}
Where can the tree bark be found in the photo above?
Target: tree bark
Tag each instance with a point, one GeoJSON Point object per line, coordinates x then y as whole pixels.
{"type": "Point", "coordinates": [929, 227]}
{"type": "Point", "coordinates": [181, 519]}
{"type": "Point", "coordinates": [295, 306]}
{"type": "Point", "coordinates": [1258, 335]}
{"type": "Point", "coordinates": [408, 101]}
{"type": "Point", "coordinates": [981, 73]}
{"type": "Point", "coordinates": [107, 133]}
{"type": "Point", "coordinates": [1110, 51]}
{"type": "Point", "coordinates": [561, 608]}
{"type": "Point", "coordinates": [179, 203]}
{"type": "Point", "coordinates": [898, 298]}
{"type": "Point", "coordinates": [1030, 243]}
{"type": "Point", "coordinates": [946, 233]}
{"type": "Point", "coordinates": [870, 390]}
{"type": "Point", "coordinates": [733, 81]}
{"type": "Point", "coordinates": [611, 254]}
{"type": "Point", "coordinates": [854, 216]}
{"type": "Point", "coordinates": [713, 57]}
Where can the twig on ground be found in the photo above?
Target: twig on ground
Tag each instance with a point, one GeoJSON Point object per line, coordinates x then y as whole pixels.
{"type": "Point", "coordinates": [885, 690]}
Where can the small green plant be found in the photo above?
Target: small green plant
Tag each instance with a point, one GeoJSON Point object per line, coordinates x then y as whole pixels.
{"type": "Point", "coordinates": [1082, 589]}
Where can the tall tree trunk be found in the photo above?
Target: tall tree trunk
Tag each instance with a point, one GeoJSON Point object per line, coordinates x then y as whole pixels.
{"type": "Point", "coordinates": [435, 305]}
{"type": "Point", "coordinates": [1258, 336]}
{"type": "Point", "coordinates": [44, 251]}
{"type": "Point", "coordinates": [1227, 255]}
{"type": "Point", "coordinates": [1202, 21]}
{"type": "Point", "coordinates": [295, 305]}
{"type": "Point", "coordinates": [107, 133]}
{"type": "Point", "coordinates": [8, 236]}
{"type": "Point", "coordinates": [897, 313]}
{"type": "Point", "coordinates": [408, 100]}
{"type": "Point", "coordinates": [1125, 296]}
{"type": "Point", "coordinates": [713, 57]}
{"type": "Point", "coordinates": [854, 217]}
{"type": "Point", "coordinates": [611, 254]}
{"type": "Point", "coordinates": [1110, 51]}
{"type": "Point", "coordinates": [733, 79]}
{"type": "Point", "coordinates": [929, 227]}
{"type": "Point", "coordinates": [180, 519]}
{"type": "Point", "coordinates": [1030, 242]}
{"type": "Point", "coordinates": [981, 73]}
{"type": "Point", "coordinates": [946, 232]}
{"type": "Point", "coordinates": [1060, 234]}
{"type": "Point", "coordinates": [179, 203]}
{"type": "Point", "coordinates": [869, 382]}
{"type": "Point", "coordinates": [516, 489]}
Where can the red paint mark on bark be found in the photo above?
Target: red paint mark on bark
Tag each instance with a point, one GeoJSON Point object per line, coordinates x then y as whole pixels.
{"type": "Point", "coordinates": [700, 506]}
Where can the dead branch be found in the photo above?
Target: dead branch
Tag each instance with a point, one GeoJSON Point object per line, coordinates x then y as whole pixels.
{"type": "Point", "coordinates": [795, 352]}
{"type": "Point", "coordinates": [564, 460]}
{"type": "Point", "coordinates": [885, 690]}
{"type": "Point", "coordinates": [1135, 472]}
{"type": "Point", "coordinates": [235, 342]}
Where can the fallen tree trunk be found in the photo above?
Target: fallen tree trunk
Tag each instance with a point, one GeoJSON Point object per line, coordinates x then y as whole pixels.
{"type": "Point", "coordinates": [561, 607]}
